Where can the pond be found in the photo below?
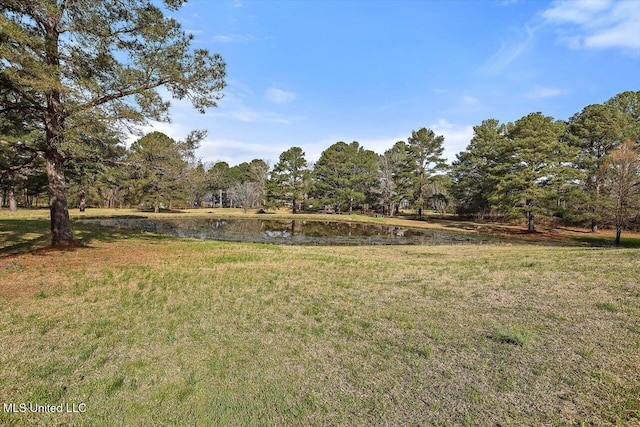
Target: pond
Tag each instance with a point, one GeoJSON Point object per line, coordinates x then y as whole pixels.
{"type": "Point", "coordinates": [292, 232]}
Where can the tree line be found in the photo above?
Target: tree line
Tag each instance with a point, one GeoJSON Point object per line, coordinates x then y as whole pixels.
{"type": "Point", "coordinates": [583, 171]}
{"type": "Point", "coordinates": [76, 77]}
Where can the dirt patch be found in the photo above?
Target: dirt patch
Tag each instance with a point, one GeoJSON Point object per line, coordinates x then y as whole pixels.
{"type": "Point", "coordinates": [50, 270]}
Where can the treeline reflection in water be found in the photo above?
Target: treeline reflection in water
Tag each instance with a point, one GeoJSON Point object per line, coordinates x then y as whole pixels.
{"type": "Point", "coordinates": [292, 232]}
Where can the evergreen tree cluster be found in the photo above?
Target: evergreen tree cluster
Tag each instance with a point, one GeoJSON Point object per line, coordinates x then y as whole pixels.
{"type": "Point", "coordinates": [539, 167]}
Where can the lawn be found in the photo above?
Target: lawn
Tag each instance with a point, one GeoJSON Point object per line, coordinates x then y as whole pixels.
{"type": "Point", "coordinates": [141, 329]}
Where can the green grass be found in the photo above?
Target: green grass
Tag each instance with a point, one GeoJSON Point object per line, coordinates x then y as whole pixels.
{"type": "Point", "coordinates": [149, 330]}
{"type": "Point", "coordinates": [512, 335]}
{"type": "Point", "coordinates": [626, 241]}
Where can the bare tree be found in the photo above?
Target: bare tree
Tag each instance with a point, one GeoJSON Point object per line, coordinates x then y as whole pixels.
{"type": "Point", "coordinates": [621, 172]}
{"type": "Point", "coordinates": [245, 194]}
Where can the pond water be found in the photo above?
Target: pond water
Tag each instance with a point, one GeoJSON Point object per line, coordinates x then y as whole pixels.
{"type": "Point", "coordinates": [292, 232]}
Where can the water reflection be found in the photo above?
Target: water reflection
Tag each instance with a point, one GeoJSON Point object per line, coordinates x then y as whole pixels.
{"type": "Point", "coordinates": [292, 232]}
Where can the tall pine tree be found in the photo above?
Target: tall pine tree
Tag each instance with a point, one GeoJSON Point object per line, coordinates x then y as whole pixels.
{"type": "Point", "coordinates": [424, 155]}
{"type": "Point", "coordinates": [474, 172]}
{"type": "Point", "coordinates": [533, 159]}
{"type": "Point", "coordinates": [289, 177]}
{"type": "Point", "coordinates": [68, 62]}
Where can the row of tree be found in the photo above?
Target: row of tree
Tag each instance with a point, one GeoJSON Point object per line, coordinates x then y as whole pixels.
{"type": "Point", "coordinates": [76, 76]}
{"type": "Point", "coordinates": [583, 171]}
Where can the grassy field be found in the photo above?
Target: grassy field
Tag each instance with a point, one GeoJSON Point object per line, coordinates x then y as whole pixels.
{"type": "Point", "coordinates": [141, 329]}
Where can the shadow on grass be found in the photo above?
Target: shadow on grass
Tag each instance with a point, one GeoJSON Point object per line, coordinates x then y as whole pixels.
{"type": "Point", "coordinates": [536, 237]}
{"type": "Point", "coordinates": [28, 235]}
{"type": "Point", "coordinates": [23, 235]}
{"type": "Point", "coordinates": [627, 243]}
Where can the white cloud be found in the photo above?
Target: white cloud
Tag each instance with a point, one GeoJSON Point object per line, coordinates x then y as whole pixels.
{"type": "Point", "coordinates": [229, 38]}
{"type": "Point", "coordinates": [172, 130]}
{"type": "Point", "coordinates": [247, 115]}
{"type": "Point", "coordinates": [234, 106]}
{"type": "Point", "coordinates": [380, 145]}
{"type": "Point", "coordinates": [596, 24]}
{"type": "Point", "coordinates": [544, 92]}
{"type": "Point", "coordinates": [509, 51]}
{"type": "Point", "coordinates": [470, 100]}
{"type": "Point", "coordinates": [279, 96]}
{"type": "Point", "coordinates": [235, 152]}
{"type": "Point", "coordinates": [578, 12]}
{"type": "Point", "coordinates": [456, 137]}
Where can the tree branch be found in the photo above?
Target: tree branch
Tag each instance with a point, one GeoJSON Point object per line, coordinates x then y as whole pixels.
{"type": "Point", "coordinates": [24, 162]}
{"type": "Point", "coordinates": [102, 160]}
{"type": "Point", "coordinates": [21, 146]}
{"type": "Point", "coordinates": [122, 94]}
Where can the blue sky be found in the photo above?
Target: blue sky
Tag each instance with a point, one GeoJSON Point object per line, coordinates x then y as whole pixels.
{"type": "Point", "coordinates": [311, 73]}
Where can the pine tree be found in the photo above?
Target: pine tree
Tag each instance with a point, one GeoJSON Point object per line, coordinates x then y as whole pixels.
{"type": "Point", "coordinates": [595, 132]}
{"type": "Point", "coordinates": [66, 64]}
{"type": "Point", "coordinates": [290, 177]}
{"type": "Point", "coordinates": [474, 172]}
{"type": "Point", "coordinates": [424, 155]}
{"type": "Point", "coordinates": [346, 175]}
{"type": "Point", "coordinates": [532, 158]}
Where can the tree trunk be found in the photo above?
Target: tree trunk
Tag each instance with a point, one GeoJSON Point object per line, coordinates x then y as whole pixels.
{"type": "Point", "coordinates": [220, 195]}
{"type": "Point", "coordinates": [28, 198]}
{"type": "Point", "coordinates": [83, 201]}
{"type": "Point", "coordinates": [156, 202]}
{"type": "Point", "coordinates": [54, 119]}
{"type": "Point", "coordinates": [618, 234]}
{"type": "Point", "coordinates": [61, 232]}
{"type": "Point", "coordinates": [594, 223]}
{"type": "Point", "coordinates": [293, 207]}
{"type": "Point", "coordinates": [13, 205]}
{"type": "Point", "coordinates": [530, 224]}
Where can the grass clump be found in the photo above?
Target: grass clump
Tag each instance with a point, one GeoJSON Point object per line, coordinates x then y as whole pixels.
{"type": "Point", "coordinates": [512, 335]}
{"type": "Point", "coordinates": [607, 306]}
